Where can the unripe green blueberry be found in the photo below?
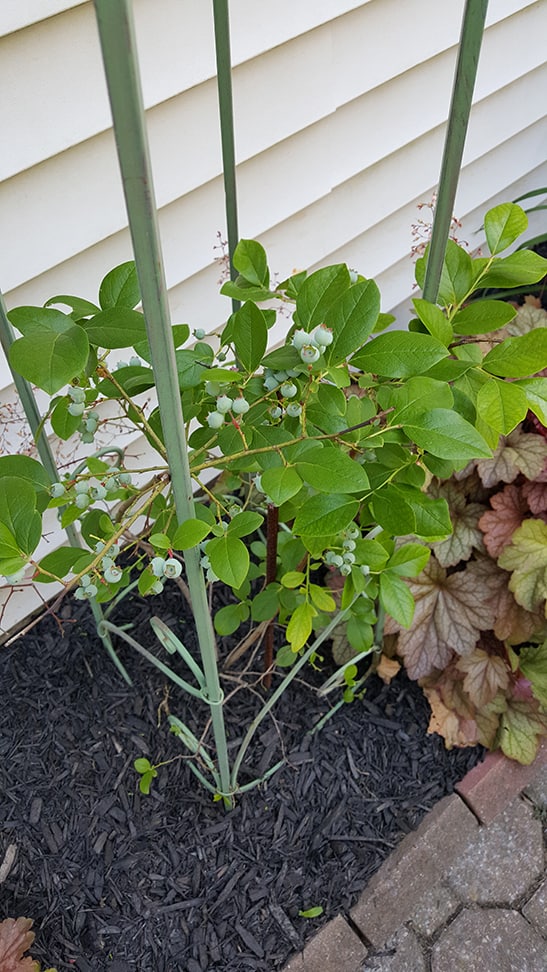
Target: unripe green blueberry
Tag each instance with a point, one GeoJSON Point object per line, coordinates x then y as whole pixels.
{"type": "Point", "coordinates": [76, 408]}
{"type": "Point", "coordinates": [99, 546]}
{"type": "Point", "coordinates": [90, 426]}
{"type": "Point", "coordinates": [16, 577]}
{"type": "Point", "coordinates": [82, 501]}
{"type": "Point", "coordinates": [212, 388]}
{"type": "Point", "coordinates": [224, 404]}
{"type": "Point", "coordinates": [353, 276]}
{"type": "Point", "coordinates": [87, 437]}
{"type": "Point", "coordinates": [205, 563]}
{"type": "Point", "coordinates": [349, 544]}
{"type": "Point", "coordinates": [288, 389]}
{"type": "Point", "coordinates": [352, 532]}
{"type": "Point", "coordinates": [97, 492]}
{"type": "Point", "coordinates": [121, 364]}
{"type": "Point", "coordinates": [157, 587]}
{"type": "Point", "coordinates": [365, 569]}
{"type": "Point", "coordinates": [300, 338]}
{"type": "Point", "coordinates": [329, 556]}
{"type": "Point", "coordinates": [158, 566]}
{"type": "Point", "coordinates": [172, 568]}
{"type": "Point", "coordinates": [199, 333]}
{"type": "Point", "coordinates": [240, 406]}
{"type": "Point", "coordinates": [221, 356]}
{"type": "Point", "coordinates": [233, 510]}
{"type": "Point", "coordinates": [107, 562]}
{"type": "Point", "coordinates": [57, 490]}
{"type": "Point", "coordinates": [125, 478]}
{"type": "Point", "coordinates": [345, 570]}
{"type": "Point", "coordinates": [113, 574]}
{"type": "Point", "coordinates": [323, 336]}
{"type": "Point", "coordinates": [276, 412]}
{"type": "Point", "coordinates": [280, 376]}
{"type": "Point", "coordinates": [349, 557]}
{"type": "Point", "coordinates": [215, 420]}
{"type": "Point", "coordinates": [211, 576]}
{"type": "Point", "coordinates": [294, 409]}
{"type": "Point", "coordinates": [135, 362]}
{"type": "Point", "coordinates": [114, 550]}
{"type": "Point", "coordinates": [337, 561]}
{"type": "Point", "coordinates": [81, 487]}
{"type": "Point", "coordinates": [77, 395]}
{"type": "Point", "coordinates": [310, 353]}
{"type": "Point", "coordinates": [111, 484]}
{"type": "Point", "coordinates": [85, 581]}
{"type": "Point", "coordinates": [257, 482]}
{"type": "Point", "coordinates": [270, 382]}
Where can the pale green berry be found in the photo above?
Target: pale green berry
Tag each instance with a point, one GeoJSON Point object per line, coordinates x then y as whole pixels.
{"type": "Point", "coordinates": [276, 412]}
{"type": "Point", "coordinates": [99, 546]}
{"type": "Point", "coordinates": [85, 581]}
{"type": "Point", "coordinates": [352, 532]}
{"type": "Point", "coordinates": [270, 382]}
{"type": "Point", "coordinates": [87, 437]}
{"type": "Point", "coordinates": [199, 333]}
{"type": "Point", "coordinates": [280, 376]}
{"type": "Point", "coordinates": [157, 587]}
{"type": "Point", "coordinates": [107, 562]}
{"type": "Point", "coordinates": [85, 593]}
{"type": "Point", "coordinates": [82, 501]}
{"type": "Point", "coordinates": [224, 404]}
{"type": "Point", "coordinates": [349, 544]}
{"type": "Point", "coordinates": [288, 389]}
{"type": "Point", "coordinates": [111, 484]}
{"type": "Point", "coordinates": [257, 482]}
{"type": "Point", "coordinates": [349, 557]}
{"type": "Point", "coordinates": [309, 353]}
{"type": "Point", "coordinates": [205, 563]}
{"type": "Point", "coordinates": [221, 356]}
{"type": "Point", "coordinates": [300, 338]}
{"type": "Point", "coordinates": [353, 276]}
{"type": "Point", "coordinates": [337, 561]}
{"type": "Point", "coordinates": [80, 594]}
{"type": "Point", "coordinates": [76, 408]}
{"type": "Point", "coordinates": [125, 478]}
{"type": "Point", "coordinates": [212, 388]}
{"type": "Point", "coordinates": [328, 558]}
{"type": "Point", "coordinates": [234, 510]}
{"type": "Point", "coordinates": [114, 550]}
{"type": "Point", "coordinates": [57, 490]}
{"type": "Point", "coordinates": [113, 574]}
{"type": "Point", "coordinates": [121, 364]}
{"type": "Point", "coordinates": [240, 406]}
{"type": "Point", "coordinates": [97, 492]}
{"type": "Point", "coordinates": [90, 426]}
{"type": "Point", "coordinates": [77, 395]}
{"type": "Point", "coordinates": [215, 420]}
{"type": "Point", "coordinates": [323, 336]}
{"type": "Point", "coordinates": [294, 409]}
{"type": "Point", "coordinates": [158, 566]}
{"type": "Point", "coordinates": [172, 568]}
{"type": "Point", "coordinates": [135, 362]}
{"type": "Point", "coordinates": [365, 569]}
{"type": "Point", "coordinates": [345, 570]}
{"type": "Point", "coordinates": [81, 487]}
{"type": "Point", "coordinates": [211, 576]}
{"type": "Point", "coordinates": [16, 577]}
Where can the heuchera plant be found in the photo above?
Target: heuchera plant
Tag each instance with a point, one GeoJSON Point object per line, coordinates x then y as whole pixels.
{"type": "Point", "coordinates": [15, 939]}
{"type": "Point", "coordinates": [477, 643]}
{"type": "Point", "coordinates": [322, 447]}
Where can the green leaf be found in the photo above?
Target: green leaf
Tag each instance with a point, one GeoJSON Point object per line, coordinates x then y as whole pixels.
{"type": "Point", "coordinates": [434, 320]}
{"type": "Point", "coordinates": [300, 625]}
{"type": "Point", "coordinates": [327, 468]}
{"type": "Point", "coordinates": [526, 558]}
{"type": "Point", "coordinates": [242, 291]}
{"type": "Point", "coordinates": [325, 515]}
{"type": "Point", "coordinates": [23, 467]}
{"type": "Point", "coordinates": [352, 318]}
{"type": "Point", "coordinates": [518, 357]}
{"type": "Point", "coordinates": [251, 262]}
{"type": "Point", "coordinates": [190, 533]}
{"type": "Point", "coordinates": [446, 434]}
{"type": "Point", "coordinates": [62, 422]}
{"type": "Point", "coordinates": [160, 541]}
{"type": "Point", "coordinates": [134, 379]}
{"type": "Point", "coordinates": [503, 225]}
{"type": "Point", "coordinates": [400, 354]}
{"type": "Point", "coordinates": [9, 549]}
{"type": "Point", "coordinates": [372, 553]}
{"type": "Point", "coordinates": [229, 559]}
{"type": "Point", "coordinates": [180, 332]}
{"type": "Point", "coordinates": [250, 336]}
{"type": "Point", "coordinates": [61, 562]}
{"type": "Point", "coordinates": [409, 560]}
{"type": "Point", "coordinates": [312, 912]}
{"type": "Point", "coordinates": [321, 598]}
{"type": "Point", "coordinates": [392, 512]}
{"type": "Point", "coordinates": [533, 665]}
{"type": "Point", "coordinates": [51, 358]}
{"type": "Point", "coordinates": [502, 405]}
{"type": "Point", "coordinates": [190, 367]}
{"type": "Point", "coordinates": [332, 399]}
{"type": "Point", "coordinates": [319, 292]}
{"type": "Point", "coordinates": [142, 765]}
{"type": "Point", "coordinates": [432, 516]}
{"type": "Point", "coordinates": [78, 306]}
{"type": "Point", "coordinates": [456, 275]}
{"type": "Point", "coordinates": [483, 316]}
{"type": "Point", "coordinates": [292, 579]}
{"type": "Point", "coordinates": [396, 599]}
{"type": "Point", "coordinates": [120, 288]}
{"type": "Point", "coordinates": [518, 732]}
{"type": "Point", "coordinates": [535, 390]}
{"type": "Point", "coordinates": [115, 327]}
{"type": "Point", "coordinates": [38, 320]}
{"type": "Point", "coordinates": [265, 605]}
{"type": "Point", "coordinates": [229, 618]}
{"type": "Point", "coordinates": [516, 270]}
{"type": "Point", "coordinates": [422, 392]}
{"type": "Point", "coordinates": [244, 524]}
{"type": "Point", "coordinates": [18, 513]}
{"type": "Point", "coordinates": [281, 483]}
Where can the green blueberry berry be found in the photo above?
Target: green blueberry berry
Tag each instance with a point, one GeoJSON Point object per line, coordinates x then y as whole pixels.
{"type": "Point", "coordinates": [365, 569]}
{"type": "Point", "coordinates": [157, 587]}
{"type": "Point", "coordinates": [76, 408]}
{"type": "Point", "coordinates": [172, 568]}
{"type": "Point", "coordinates": [240, 406]}
{"type": "Point", "coordinates": [270, 382]}
{"type": "Point", "coordinates": [85, 581]}
{"type": "Point", "coordinates": [135, 362]}
{"type": "Point", "coordinates": [221, 356]}
{"type": "Point", "coordinates": [276, 412]}
{"type": "Point", "coordinates": [257, 483]}
{"type": "Point", "coordinates": [345, 570]}
{"type": "Point", "coordinates": [57, 490]}
{"type": "Point", "coordinates": [111, 484]}
{"type": "Point", "coordinates": [349, 557]}
{"type": "Point", "coordinates": [121, 364]}
{"type": "Point", "coordinates": [113, 574]}
{"type": "Point", "coordinates": [97, 492]}
{"type": "Point", "coordinates": [87, 437]}
{"type": "Point", "coordinates": [77, 395]}
{"type": "Point", "coordinates": [211, 576]}
{"type": "Point", "coordinates": [215, 420]}
{"type": "Point", "coordinates": [158, 566]}
{"type": "Point", "coordinates": [82, 501]}
{"type": "Point", "coordinates": [125, 478]}
{"type": "Point", "coordinates": [323, 336]}
{"type": "Point", "coordinates": [352, 532]}
{"type": "Point", "coordinates": [310, 353]}
{"type": "Point", "coordinates": [205, 563]}
{"type": "Point", "coordinates": [329, 556]}
{"type": "Point", "coordinates": [90, 426]}
{"type": "Point", "coordinates": [337, 561]}
{"type": "Point", "coordinates": [107, 562]}
{"type": "Point", "coordinates": [224, 404]}
{"type": "Point", "coordinates": [114, 550]}
{"type": "Point", "coordinates": [294, 409]}
{"type": "Point", "coordinates": [212, 388]}
{"type": "Point", "coordinates": [349, 544]}
{"type": "Point", "coordinates": [16, 577]}
{"type": "Point", "coordinates": [288, 389]}
{"type": "Point", "coordinates": [199, 333]}
{"type": "Point", "coordinates": [81, 487]}
{"type": "Point", "coordinates": [99, 546]}
{"type": "Point", "coordinates": [280, 376]}
{"type": "Point", "coordinates": [353, 276]}
{"type": "Point", "coordinates": [300, 338]}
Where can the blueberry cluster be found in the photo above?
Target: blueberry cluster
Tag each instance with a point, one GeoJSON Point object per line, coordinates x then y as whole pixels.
{"type": "Point", "coordinates": [345, 559]}
{"type": "Point", "coordinates": [164, 569]}
{"type": "Point", "coordinates": [84, 493]}
{"type": "Point", "coordinates": [90, 419]}
{"type": "Point", "coordinates": [108, 570]}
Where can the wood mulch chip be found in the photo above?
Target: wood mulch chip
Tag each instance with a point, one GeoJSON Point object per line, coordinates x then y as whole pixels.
{"type": "Point", "coordinates": [169, 882]}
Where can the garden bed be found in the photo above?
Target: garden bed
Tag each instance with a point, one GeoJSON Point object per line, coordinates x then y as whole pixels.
{"type": "Point", "coordinates": [119, 881]}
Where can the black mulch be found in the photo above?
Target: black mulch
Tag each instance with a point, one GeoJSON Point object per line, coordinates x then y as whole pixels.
{"type": "Point", "coordinates": [119, 881]}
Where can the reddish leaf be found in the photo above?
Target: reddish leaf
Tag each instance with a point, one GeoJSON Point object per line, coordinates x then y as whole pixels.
{"type": "Point", "coordinates": [513, 622]}
{"type": "Point", "coordinates": [455, 730]}
{"type": "Point", "coordinates": [485, 675]}
{"type": "Point", "coordinates": [15, 939]}
{"type": "Point", "coordinates": [535, 492]}
{"type": "Point", "coordinates": [498, 524]}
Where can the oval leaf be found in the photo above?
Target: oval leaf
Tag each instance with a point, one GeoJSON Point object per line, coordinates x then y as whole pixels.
{"type": "Point", "coordinates": [229, 559]}
{"type": "Point", "coordinates": [400, 354]}
{"type": "Point", "coordinates": [50, 359]}
{"type": "Point", "coordinates": [446, 434]}
{"type": "Point", "coordinates": [325, 515]}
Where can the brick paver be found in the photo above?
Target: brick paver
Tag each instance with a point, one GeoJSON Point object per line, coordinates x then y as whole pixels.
{"type": "Point", "coordinates": [494, 940]}
{"type": "Point", "coordinates": [336, 948]}
{"type": "Point", "coordinates": [437, 906]}
{"type": "Point", "coordinates": [402, 953]}
{"type": "Point", "coordinates": [495, 782]}
{"type": "Point", "coordinates": [536, 909]}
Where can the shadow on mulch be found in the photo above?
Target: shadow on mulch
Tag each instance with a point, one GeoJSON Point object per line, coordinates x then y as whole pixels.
{"type": "Point", "coordinates": [118, 881]}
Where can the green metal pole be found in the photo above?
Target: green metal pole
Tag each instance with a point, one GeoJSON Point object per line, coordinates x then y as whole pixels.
{"type": "Point", "coordinates": [226, 110]}
{"type": "Point", "coordinates": [119, 49]}
{"type": "Point", "coordinates": [28, 401]}
{"type": "Point", "coordinates": [462, 95]}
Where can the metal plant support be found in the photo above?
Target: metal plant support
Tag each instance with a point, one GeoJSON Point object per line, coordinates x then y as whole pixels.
{"type": "Point", "coordinates": [117, 38]}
